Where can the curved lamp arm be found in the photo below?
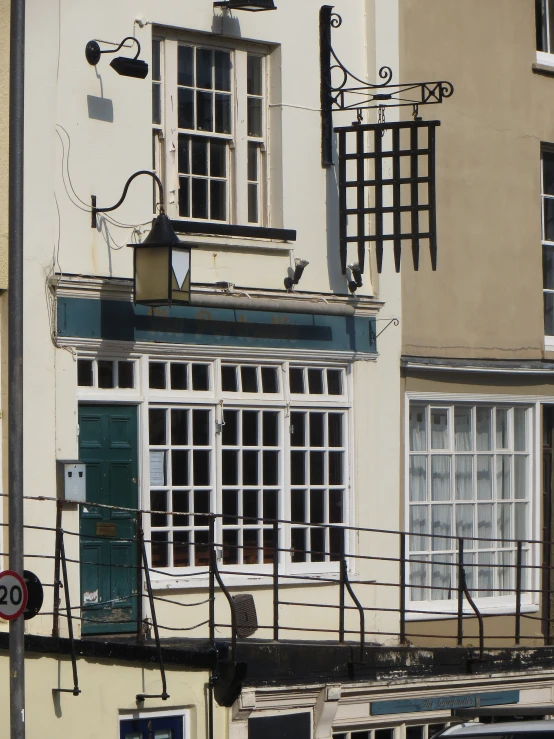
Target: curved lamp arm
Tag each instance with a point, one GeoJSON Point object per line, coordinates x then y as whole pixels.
{"type": "Point", "coordinates": [154, 176]}
{"type": "Point", "coordinates": [93, 50]}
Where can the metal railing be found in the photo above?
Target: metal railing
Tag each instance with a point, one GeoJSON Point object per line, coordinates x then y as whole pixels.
{"type": "Point", "coordinates": [367, 582]}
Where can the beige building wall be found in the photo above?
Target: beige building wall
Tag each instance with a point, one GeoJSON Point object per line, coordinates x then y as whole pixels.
{"type": "Point", "coordinates": [485, 299]}
{"type": "Point", "coordinates": [108, 693]}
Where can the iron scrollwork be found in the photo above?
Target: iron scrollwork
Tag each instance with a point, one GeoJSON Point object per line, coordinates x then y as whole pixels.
{"type": "Point", "coordinates": [353, 93]}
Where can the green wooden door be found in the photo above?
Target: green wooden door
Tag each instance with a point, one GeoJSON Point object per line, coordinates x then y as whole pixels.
{"type": "Point", "coordinates": [108, 446]}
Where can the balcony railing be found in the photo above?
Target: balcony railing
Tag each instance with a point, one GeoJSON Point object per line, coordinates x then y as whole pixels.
{"type": "Point", "coordinates": [371, 587]}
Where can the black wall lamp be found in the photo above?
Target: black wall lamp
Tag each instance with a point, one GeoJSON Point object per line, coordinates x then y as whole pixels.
{"type": "Point", "coordinates": [123, 65]}
{"type": "Point", "coordinates": [356, 277]}
{"type": "Point", "coordinates": [161, 263]}
{"type": "Point", "coordinates": [299, 267]}
{"type": "Point", "coordinates": [254, 6]}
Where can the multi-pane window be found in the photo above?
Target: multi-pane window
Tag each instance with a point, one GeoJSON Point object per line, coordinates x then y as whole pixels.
{"type": "Point", "coordinates": [469, 477]}
{"type": "Point", "coordinates": [204, 106]}
{"type": "Point", "coordinates": [252, 454]}
{"type": "Point", "coordinates": [404, 731]}
{"type": "Point", "coordinates": [106, 374]}
{"type": "Point", "coordinates": [544, 11]}
{"type": "Point", "coordinates": [547, 198]}
{"type": "Point", "coordinates": [215, 134]}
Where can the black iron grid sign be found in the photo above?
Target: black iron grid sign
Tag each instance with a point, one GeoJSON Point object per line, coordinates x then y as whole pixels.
{"type": "Point", "coordinates": [386, 175]}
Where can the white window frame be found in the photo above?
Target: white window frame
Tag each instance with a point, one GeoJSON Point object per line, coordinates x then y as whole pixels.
{"type": "Point", "coordinates": [165, 157]}
{"type": "Point", "coordinates": [143, 715]}
{"type": "Point", "coordinates": [142, 396]}
{"type": "Point", "coordinates": [548, 339]}
{"type": "Point", "coordinates": [495, 605]}
{"type": "Point", "coordinates": [286, 403]}
{"type": "Point", "coordinates": [547, 57]}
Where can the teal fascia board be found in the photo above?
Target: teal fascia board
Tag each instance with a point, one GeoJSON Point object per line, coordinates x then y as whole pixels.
{"type": "Point", "coordinates": [115, 320]}
{"type": "Point", "coordinates": [443, 703]}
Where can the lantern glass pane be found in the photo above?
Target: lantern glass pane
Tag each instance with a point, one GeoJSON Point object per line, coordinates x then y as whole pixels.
{"type": "Point", "coordinates": [152, 274]}
{"type": "Point", "coordinates": [180, 275]}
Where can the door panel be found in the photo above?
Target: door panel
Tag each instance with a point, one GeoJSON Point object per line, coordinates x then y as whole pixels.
{"type": "Point", "coordinates": [108, 446]}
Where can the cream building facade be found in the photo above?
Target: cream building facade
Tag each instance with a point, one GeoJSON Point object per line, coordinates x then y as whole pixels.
{"type": "Point", "coordinates": [246, 510]}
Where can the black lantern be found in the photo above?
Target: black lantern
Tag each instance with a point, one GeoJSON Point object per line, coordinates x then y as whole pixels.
{"type": "Point", "coordinates": [161, 264]}
{"type": "Point", "coordinates": [254, 6]}
{"type": "Point", "coordinates": [123, 65]}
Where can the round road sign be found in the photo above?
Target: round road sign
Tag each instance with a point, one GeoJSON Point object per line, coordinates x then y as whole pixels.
{"type": "Point", "coordinates": [13, 595]}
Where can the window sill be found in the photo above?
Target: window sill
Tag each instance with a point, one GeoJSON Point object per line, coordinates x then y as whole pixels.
{"type": "Point", "coordinates": [161, 582]}
{"type": "Point", "coordinates": [544, 64]}
{"type": "Point", "coordinates": [228, 230]}
{"type": "Point", "coordinates": [549, 343]}
{"type": "Point", "coordinates": [504, 609]}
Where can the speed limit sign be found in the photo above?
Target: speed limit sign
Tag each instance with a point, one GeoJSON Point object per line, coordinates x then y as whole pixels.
{"type": "Point", "coordinates": [13, 595]}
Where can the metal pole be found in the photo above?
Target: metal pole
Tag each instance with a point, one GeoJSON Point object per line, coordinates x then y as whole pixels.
{"type": "Point", "coordinates": [461, 576]}
{"type": "Point", "coordinates": [402, 588]}
{"type": "Point", "coordinates": [519, 562]}
{"type": "Point", "coordinates": [276, 580]}
{"type": "Point", "coordinates": [15, 355]}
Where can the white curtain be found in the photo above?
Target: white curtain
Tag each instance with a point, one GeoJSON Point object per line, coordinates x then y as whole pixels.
{"type": "Point", "coordinates": [503, 523]}
{"type": "Point", "coordinates": [503, 476]}
{"type": "Point", "coordinates": [484, 477]}
{"type": "Point", "coordinates": [501, 428]}
{"type": "Point", "coordinates": [484, 525]}
{"type": "Point", "coordinates": [463, 437]}
{"type": "Point", "coordinates": [520, 429]}
{"type": "Point", "coordinates": [440, 477]}
{"type": "Point", "coordinates": [417, 579]}
{"type": "Point", "coordinates": [419, 525]}
{"type": "Point", "coordinates": [520, 476]}
{"type": "Point", "coordinates": [439, 428]}
{"type": "Point", "coordinates": [464, 477]}
{"type": "Point", "coordinates": [485, 575]}
{"type": "Point", "coordinates": [418, 478]}
{"type": "Point", "coordinates": [484, 429]}
{"type": "Point", "coordinates": [441, 576]}
{"type": "Point", "coordinates": [521, 531]}
{"type": "Point", "coordinates": [441, 526]}
{"type": "Point", "coordinates": [418, 428]}
{"type": "Point", "coordinates": [464, 523]}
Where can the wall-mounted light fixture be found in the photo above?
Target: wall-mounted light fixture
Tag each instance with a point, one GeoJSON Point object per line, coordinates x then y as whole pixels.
{"type": "Point", "coordinates": [299, 266]}
{"type": "Point", "coordinates": [254, 6]}
{"type": "Point", "coordinates": [356, 277]}
{"type": "Point", "coordinates": [122, 64]}
{"type": "Point", "coordinates": [161, 264]}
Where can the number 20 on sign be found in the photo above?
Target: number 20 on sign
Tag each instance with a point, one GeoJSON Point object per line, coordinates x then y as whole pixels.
{"type": "Point", "coordinates": [13, 595]}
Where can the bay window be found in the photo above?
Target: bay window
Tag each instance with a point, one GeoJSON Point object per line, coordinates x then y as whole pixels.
{"type": "Point", "coordinates": [469, 477]}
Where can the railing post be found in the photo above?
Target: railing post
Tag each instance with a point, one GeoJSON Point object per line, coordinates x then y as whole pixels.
{"type": "Point", "coordinates": [75, 690]}
{"type": "Point", "coordinates": [211, 594]}
{"type": "Point", "coordinates": [519, 562]}
{"type": "Point", "coordinates": [402, 588]}
{"type": "Point", "coordinates": [342, 589]}
{"type": "Point", "coordinates": [140, 631]}
{"type": "Point", "coordinates": [276, 580]}
{"type": "Point", "coordinates": [461, 579]}
{"type": "Point", "coordinates": [165, 695]}
{"type": "Point", "coordinates": [57, 599]}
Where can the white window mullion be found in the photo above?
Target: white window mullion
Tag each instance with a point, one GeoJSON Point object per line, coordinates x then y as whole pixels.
{"type": "Point", "coordinates": [239, 185]}
{"type": "Point", "coordinates": [170, 143]}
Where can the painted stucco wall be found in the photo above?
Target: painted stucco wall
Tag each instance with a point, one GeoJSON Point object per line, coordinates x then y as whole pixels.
{"type": "Point", "coordinates": [70, 156]}
{"type": "Point", "coordinates": [485, 299]}
{"type": "Point", "coordinates": [108, 692]}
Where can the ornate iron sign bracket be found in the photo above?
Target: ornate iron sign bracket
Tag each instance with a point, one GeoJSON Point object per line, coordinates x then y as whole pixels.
{"type": "Point", "coordinates": [352, 93]}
